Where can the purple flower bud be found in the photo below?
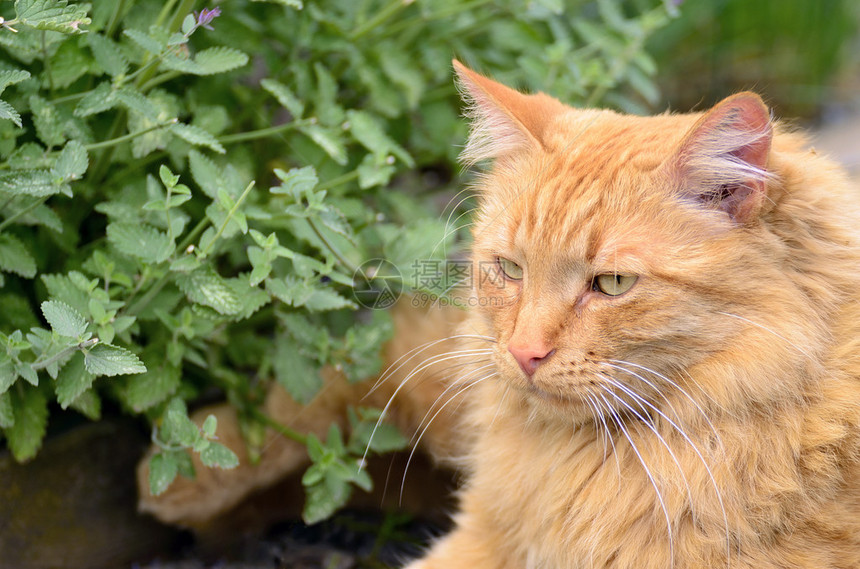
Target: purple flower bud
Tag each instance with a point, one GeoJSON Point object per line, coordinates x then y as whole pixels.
{"type": "Point", "coordinates": [205, 17]}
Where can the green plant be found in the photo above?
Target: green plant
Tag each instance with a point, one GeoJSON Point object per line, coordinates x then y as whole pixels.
{"type": "Point", "coordinates": [188, 217]}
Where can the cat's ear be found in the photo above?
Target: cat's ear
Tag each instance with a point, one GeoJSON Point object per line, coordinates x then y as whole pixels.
{"type": "Point", "coordinates": [503, 120]}
{"type": "Point", "coordinates": [723, 159]}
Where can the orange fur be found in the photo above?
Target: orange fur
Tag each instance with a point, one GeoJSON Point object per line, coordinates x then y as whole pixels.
{"type": "Point", "coordinates": [710, 416]}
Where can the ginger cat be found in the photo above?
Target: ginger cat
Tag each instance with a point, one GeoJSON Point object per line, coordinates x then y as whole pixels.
{"type": "Point", "coordinates": [662, 367]}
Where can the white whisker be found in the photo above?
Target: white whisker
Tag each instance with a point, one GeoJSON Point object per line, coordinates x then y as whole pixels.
{"type": "Point", "coordinates": [430, 422]}
{"type": "Point", "coordinates": [617, 420]}
{"type": "Point", "coordinates": [680, 431]}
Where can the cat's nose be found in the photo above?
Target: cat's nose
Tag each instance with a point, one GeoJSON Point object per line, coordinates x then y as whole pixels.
{"type": "Point", "coordinates": [530, 356]}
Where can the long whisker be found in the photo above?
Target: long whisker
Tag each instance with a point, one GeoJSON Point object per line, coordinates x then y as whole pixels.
{"type": "Point", "coordinates": [617, 420]}
{"type": "Point", "coordinates": [405, 358]}
{"type": "Point", "coordinates": [428, 363]}
{"type": "Point", "coordinates": [430, 422]}
{"type": "Point", "coordinates": [766, 329]}
{"type": "Point", "coordinates": [674, 384]}
{"type": "Point", "coordinates": [460, 381]}
{"type": "Point", "coordinates": [654, 430]}
{"type": "Point", "coordinates": [606, 434]}
{"type": "Point", "coordinates": [642, 401]}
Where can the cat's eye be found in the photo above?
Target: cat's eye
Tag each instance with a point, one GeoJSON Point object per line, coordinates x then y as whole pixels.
{"type": "Point", "coordinates": [613, 284]}
{"type": "Point", "coordinates": [510, 269]}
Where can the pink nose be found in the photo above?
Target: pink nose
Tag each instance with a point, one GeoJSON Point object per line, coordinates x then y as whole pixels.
{"type": "Point", "coordinates": [530, 357]}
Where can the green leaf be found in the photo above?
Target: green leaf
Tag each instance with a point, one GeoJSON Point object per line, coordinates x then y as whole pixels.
{"type": "Point", "coordinates": [135, 102]}
{"type": "Point", "coordinates": [322, 299]}
{"type": "Point", "coordinates": [322, 500]}
{"type": "Point", "coordinates": [296, 182]}
{"type": "Point", "coordinates": [208, 62]}
{"type": "Point", "coordinates": [284, 96]}
{"type": "Point", "coordinates": [366, 130]}
{"type": "Point", "coordinates": [72, 381]}
{"type": "Point", "coordinates": [141, 241]}
{"type": "Point", "coordinates": [217, 455]}
{"type": "Point", "coordinates": [290, 290]}
{"type": "Point", "coordinates": [15, 258]}
{"type": "Point", "coordinates": [99, 100]}
{"type": "Point", "coordinates": [209, 289]}
{"type": "Point", "coordinates": [72, 162]}
{"type": "Point", "coordinates": [108, 55]}
{"type": "Point", "coordinates": [7, 111]}
{"type": "Point", "coordinates": [148, 389]}
{"type": "Point", "coordinates": [11, 77]}
{"type": "Point", "coordinates": [8, 375]}
{"type": "Point", "coordinates": [68, 64]}
{"type": "Point", "coordinates": [329, 139]}
{"type": "Point", "coordinates": [206, 173]}
{"type": "Point", "coordinates": [49, 127]}
{"type": "Point", "coordinates": [54, 15]}
{"type": "Point", "coordinates": [163, 468]}
{"type": "Point", "coordinates": [298, 374]}
{"type": "Point", "coordinates": [197, 136]}
{"type": "Point", "coordinates": [209, 426]}
{"type": "Point", "coordinates": [63, 319]}
{"type": "Point", "coordinates": [63, 288]}
{"type": "Point", "coordinates": [374, 171]}
{"type": "Point", "coordinates": [177, 427]}
{"type": "Point", "coordinates": [168, 178]}
{"type": "Point", "coordinates": [145, 41]}
{"type": "Point", "coordinates": [105, 359]}
{"type": "Point", "coordinates": [30, 416]}
{"type": "Point", "coordinates": [39, 183]}
{"type": "Point", "coordinates": [88, 404]}
{"type": "Point", "coordinates": [7, 414]}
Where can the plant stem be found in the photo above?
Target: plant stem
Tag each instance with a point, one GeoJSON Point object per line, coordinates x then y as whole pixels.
{"type": "Point", "coordinates": [129, 136]}
{"type": "Point", "coordinates": [150, 294]}
{"type": "Point", "coordinates": [47, 62]}
{"type": "Point", "coordinates": [6, 222]}
{"type": "Point", "coordinates": [175, 23]}
{"type": "Point", "coordinates": [165, 10]}
{"type": "Point", "coordinates": [158, 80]}
{"type": "Point", "coordinates": [263, 132]}
{"type": "Point", "coordinates": [230, 215]}
{"type": "Point", "coordinates": [192, 235]}
{"type": "Point", "coordinates": [278, 427]}
{"type": "Point", "coordinates": [378, 19]}
{"type": "Point", "coordinates": [337, 181]}
{"type": "Point", "coordinates": [330, 246]}
{"type": "Point", "coordinates": [37, 365]}
{"type": "Point", "coordinates": [114, 18]}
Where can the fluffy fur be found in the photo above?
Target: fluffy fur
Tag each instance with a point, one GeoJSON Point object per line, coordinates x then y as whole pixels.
{"type": "Point", "coordinates": [708, 417]}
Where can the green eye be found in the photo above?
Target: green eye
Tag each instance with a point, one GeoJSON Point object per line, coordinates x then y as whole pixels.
{"type": "Point", "coordinates": [612, 284]}
{"type": "Point", "coordinates": [510, 269]}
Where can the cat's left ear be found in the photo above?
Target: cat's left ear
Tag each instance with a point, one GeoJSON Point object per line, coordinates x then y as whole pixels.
{"type": "Point", "coordinates": [504, 121]}
{"type": "Point", "coordinates": [723, 159]}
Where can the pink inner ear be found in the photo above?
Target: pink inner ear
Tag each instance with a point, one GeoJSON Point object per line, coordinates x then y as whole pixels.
{"type": "Point", "coordinates": [724, 157]}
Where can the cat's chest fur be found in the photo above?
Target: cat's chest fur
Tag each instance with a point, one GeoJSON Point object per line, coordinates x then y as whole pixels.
{"type": "Point", "coordinates": [555, 493]}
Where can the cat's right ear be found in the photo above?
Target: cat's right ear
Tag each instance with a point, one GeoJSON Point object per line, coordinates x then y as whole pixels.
{"type": "Point", "coordinates": [503, 120]}
{"type": "Point", "coordinates": [723, 159]}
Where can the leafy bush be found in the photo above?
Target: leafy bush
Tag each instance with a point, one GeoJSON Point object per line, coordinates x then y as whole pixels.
{"type": "Point", "coordinates": [187, 198]}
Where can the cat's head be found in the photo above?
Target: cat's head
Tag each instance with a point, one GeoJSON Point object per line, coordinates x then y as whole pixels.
{"type": "Point", "coordinates": [617, 255]}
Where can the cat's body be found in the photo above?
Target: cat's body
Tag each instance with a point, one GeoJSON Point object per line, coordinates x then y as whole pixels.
{"type": "Point", "coordinates": [666, 345]}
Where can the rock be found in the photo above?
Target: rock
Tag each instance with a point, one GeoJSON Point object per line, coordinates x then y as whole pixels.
{"type": "Point", "coordinates": [73, 506]}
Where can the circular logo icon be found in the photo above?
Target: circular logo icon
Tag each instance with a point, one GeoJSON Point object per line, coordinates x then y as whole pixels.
{"type": "Point", "coordinates": [377, 284]}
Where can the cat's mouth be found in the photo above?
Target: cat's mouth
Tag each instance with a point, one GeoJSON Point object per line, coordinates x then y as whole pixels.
{"type": "Point", "coordinates": [557, 399]}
